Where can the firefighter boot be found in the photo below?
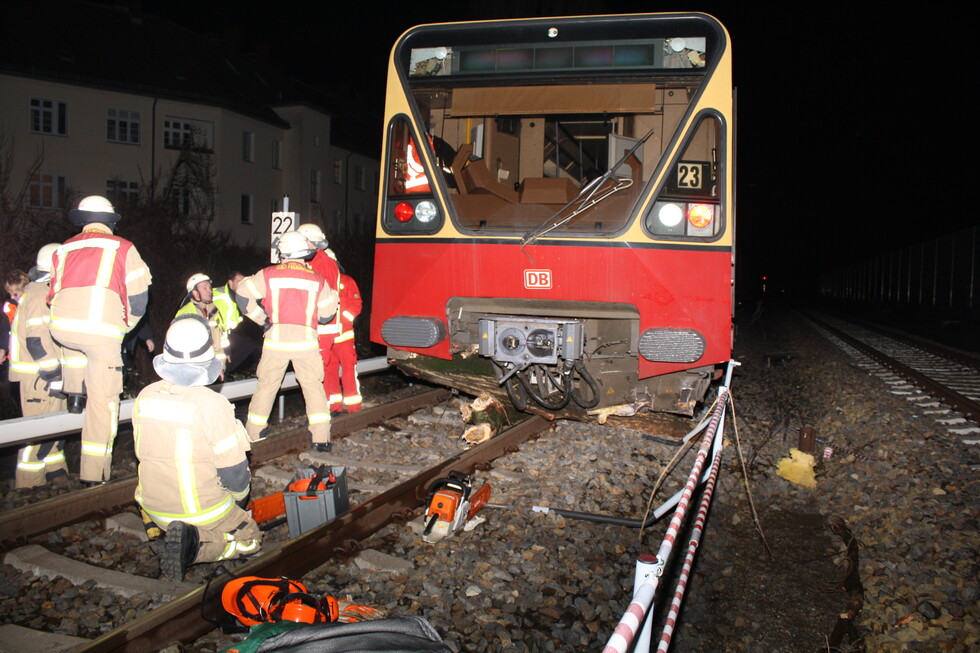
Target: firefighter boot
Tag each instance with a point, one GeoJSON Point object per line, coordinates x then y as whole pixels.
{"type": "Point", "coordinates": [179, 550]}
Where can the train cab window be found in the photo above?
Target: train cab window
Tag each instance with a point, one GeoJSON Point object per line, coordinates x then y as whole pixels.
{"type": "Point", "coordinates": [688, 205]}
{"type": "Point", "coordinates": [569, 159]}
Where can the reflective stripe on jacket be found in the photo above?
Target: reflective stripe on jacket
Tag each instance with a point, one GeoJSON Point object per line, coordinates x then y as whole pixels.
{"type": "Point", "coordinates": [183, 436]}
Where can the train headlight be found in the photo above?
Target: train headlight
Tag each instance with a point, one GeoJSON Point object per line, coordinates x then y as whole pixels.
{"type": "Point", "coordinates": [404, 211]}
{"type": "Point", "coordinates": [695, 219]}
{"type": "Point", "coordinates": [425, 212]}
{"type": "Point", "coordinates": [670, 215]}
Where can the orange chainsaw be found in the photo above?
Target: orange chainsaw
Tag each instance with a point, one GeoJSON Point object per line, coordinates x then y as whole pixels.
{"type": "Point", "coordinates": [452, 503]}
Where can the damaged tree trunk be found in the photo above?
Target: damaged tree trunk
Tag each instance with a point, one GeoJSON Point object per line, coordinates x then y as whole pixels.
{"type": "Point", "coordinates": [487, 415]}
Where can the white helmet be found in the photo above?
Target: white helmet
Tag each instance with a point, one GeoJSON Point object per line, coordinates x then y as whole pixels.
{"type": "Point", "coordinates": [42, 271]}
{"type": "Point", "coordinates": [94, 208]}
{"type": "Point", "coordinates": [44, 256]}
{"type": "Point", "coordinates": [314, 234]}
{"type": "Point", "coordinates": [196, 279]}
{"type": "Point", "coordinates": [294, 245]}
{"type": "Point", "coordinates": [188, 353]}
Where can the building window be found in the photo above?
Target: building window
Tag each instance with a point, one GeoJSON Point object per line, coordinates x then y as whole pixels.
{"type": "Point", "coordinates": [47, 190]}
{"type": "Point", "coordinates": [338, 171]}
{"type": "Point", "coordinates": [247, 217]}
{"type": "Point", "coordinates": [248, 147]}
{"type": "Point", "coordinates": [122, 193]}
{"type": "Point", "coordinates": [181, 201]}
{"type": "Point", "coordinates": [49, 117]}
{"type": "Point", "coordinates": [180, 133]}
{"type": "Point", "coordinates": [360, 180]}
{"type": "Point", "coordinates": [277, 154]}
{"type": "Point", "coordinates": [314, 185]}
{"type": "Point", "coordinates": [123, 126]}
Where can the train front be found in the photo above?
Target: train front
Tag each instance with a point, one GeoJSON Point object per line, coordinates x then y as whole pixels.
{"type": "Point", "coordinates": [555, 222]}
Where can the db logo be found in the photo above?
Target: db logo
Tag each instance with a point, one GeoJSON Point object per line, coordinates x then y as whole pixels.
{"type": "Point", "coordinates": [537, 279]}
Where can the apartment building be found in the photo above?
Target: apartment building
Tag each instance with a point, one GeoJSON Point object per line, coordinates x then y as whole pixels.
{"type": "Point", "coordinates": [100, 99]}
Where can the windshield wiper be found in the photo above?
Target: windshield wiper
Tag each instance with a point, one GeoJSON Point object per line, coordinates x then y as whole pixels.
{"type": "Point", "coordinates": [587, 197]}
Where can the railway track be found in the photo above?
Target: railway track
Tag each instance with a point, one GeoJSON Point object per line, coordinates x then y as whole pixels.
{"type": "Point", "coordinates": [942, 384]}
{"type": "Point", "coordinates": [423, 445]}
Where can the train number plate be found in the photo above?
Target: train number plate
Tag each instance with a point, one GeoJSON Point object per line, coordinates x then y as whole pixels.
{"type": "Point", "coordinates": [537, 279]}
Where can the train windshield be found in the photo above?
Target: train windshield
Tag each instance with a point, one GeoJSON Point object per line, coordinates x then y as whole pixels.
{"type": "Point", "coordinates": [544, 138]}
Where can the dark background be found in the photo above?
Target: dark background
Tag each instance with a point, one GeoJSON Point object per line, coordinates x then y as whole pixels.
{"type": "Point", "coordinates": [856, 132]}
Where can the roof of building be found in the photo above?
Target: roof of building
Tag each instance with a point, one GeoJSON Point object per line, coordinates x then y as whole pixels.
{"type": "Point", "coordinates": [120, 48]}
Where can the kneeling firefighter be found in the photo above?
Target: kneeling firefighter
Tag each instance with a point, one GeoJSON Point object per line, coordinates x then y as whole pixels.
{"type": "Point", "coordinates": [194, 479]}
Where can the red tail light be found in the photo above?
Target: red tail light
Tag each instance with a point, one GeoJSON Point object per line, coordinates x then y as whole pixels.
{"type": "Point", "coordinates": [404, 211]}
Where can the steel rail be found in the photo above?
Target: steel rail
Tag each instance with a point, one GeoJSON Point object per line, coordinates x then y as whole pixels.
{"type": "Point", "coordinates": [16, 526]}
{"type": "Point", "coordinates": [180, 621]}
{"type": "Point", "coordinates": [932, 348]}
{"type": "Point", "coordinates": [954, 399]}
{"type": "Point", "coordinates": [25, 430]}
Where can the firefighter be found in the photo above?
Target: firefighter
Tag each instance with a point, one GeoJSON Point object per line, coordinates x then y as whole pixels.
{"type": "Point", "coordinates": [200, 301]}
{"type": "Point", "coordinates": [194, 479]}
{"type": "Point", "coordinates": [35, 363]}
{"type": "Point", "coordinates": [99, 291]}
{"type": "Point", "coordinates": [324, 263]}
{"type": "Point", "coordinates": [288, 300]}
{"type": "Point", "coordinates": [343, 388]}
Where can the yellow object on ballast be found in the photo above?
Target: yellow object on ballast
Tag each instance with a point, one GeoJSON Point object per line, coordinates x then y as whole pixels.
{"type": "Point", "coordinates": [798, 468]}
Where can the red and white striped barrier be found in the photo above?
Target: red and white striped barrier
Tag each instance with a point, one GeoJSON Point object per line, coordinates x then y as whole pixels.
{"type": "Point", "coordinates": [648, 574]}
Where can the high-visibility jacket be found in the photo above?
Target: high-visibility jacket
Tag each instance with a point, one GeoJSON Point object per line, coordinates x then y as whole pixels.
{"type": "Point", "coordinates": [95, 279]}
{"type": "Point", "coordinates": [327, 268]}
{"type": "Point", "coordinates": [223, 300]}
{"type": "Point", "coordinates": [350, 307]}
{"type": "Point", "coordinates": [216, 324]}
{"type": "Point", "coordinates": [10, 310]}
{"type": "Point", "coordinates": [31, 347]}
{"type": "Point", "coordinates": [291, 299]}
{"type": "Point", "coordinates": [415, 179]}
{"type": "Point", "coordinates": [192, 454]}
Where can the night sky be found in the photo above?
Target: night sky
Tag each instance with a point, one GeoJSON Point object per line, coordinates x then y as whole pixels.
{"type": "Point", "coordinates": [854, 133]}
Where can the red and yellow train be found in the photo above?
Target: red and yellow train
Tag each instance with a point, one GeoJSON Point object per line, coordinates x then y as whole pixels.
{"type": "Point", "coordinates": [556, 213]}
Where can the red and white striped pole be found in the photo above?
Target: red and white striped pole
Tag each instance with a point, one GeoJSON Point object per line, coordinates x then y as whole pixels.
{"type": "Point", "coordinates": [625, 632]}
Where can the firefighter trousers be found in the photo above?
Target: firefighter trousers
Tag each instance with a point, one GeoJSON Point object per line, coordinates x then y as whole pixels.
{"type": "Point", "coordinates": [308, 367]}
{"type": "Point", "coordinates": [340, 374]}
{"type": "Point", "coordinates": [39, 462]}
{"type": "Point", "coordinates": [95, 361]}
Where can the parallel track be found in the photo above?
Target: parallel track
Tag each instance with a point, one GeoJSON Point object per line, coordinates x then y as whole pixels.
{"type": "Point", "coordinates": [952, 380]}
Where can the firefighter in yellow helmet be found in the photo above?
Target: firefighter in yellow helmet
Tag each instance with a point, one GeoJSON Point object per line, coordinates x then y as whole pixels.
{"type": "Point", "coordinates": [194, 479]}
{"type": "Point", "coordinates": [294, 300]}
{"type": "Point", "coordinates": [200, 301]}
{"type": "Point", "coordinates": [99, 291]}
{"type": "Point", "coordinates": [35, 363]}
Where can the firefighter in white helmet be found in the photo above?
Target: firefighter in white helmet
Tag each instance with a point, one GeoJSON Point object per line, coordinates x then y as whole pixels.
{"type": "Point", "coordinates": [99, 292]}
{"type": "Point", "coordinates": [289, 300]}
{"type": "Point", "coordinates": [326, 266]}
{"type": "Point", "coordinates": [200, 301]}
{"type": "Point", "coordinates": [194, 479]}
{"type": "Point", "coordinates": [35, 363]}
